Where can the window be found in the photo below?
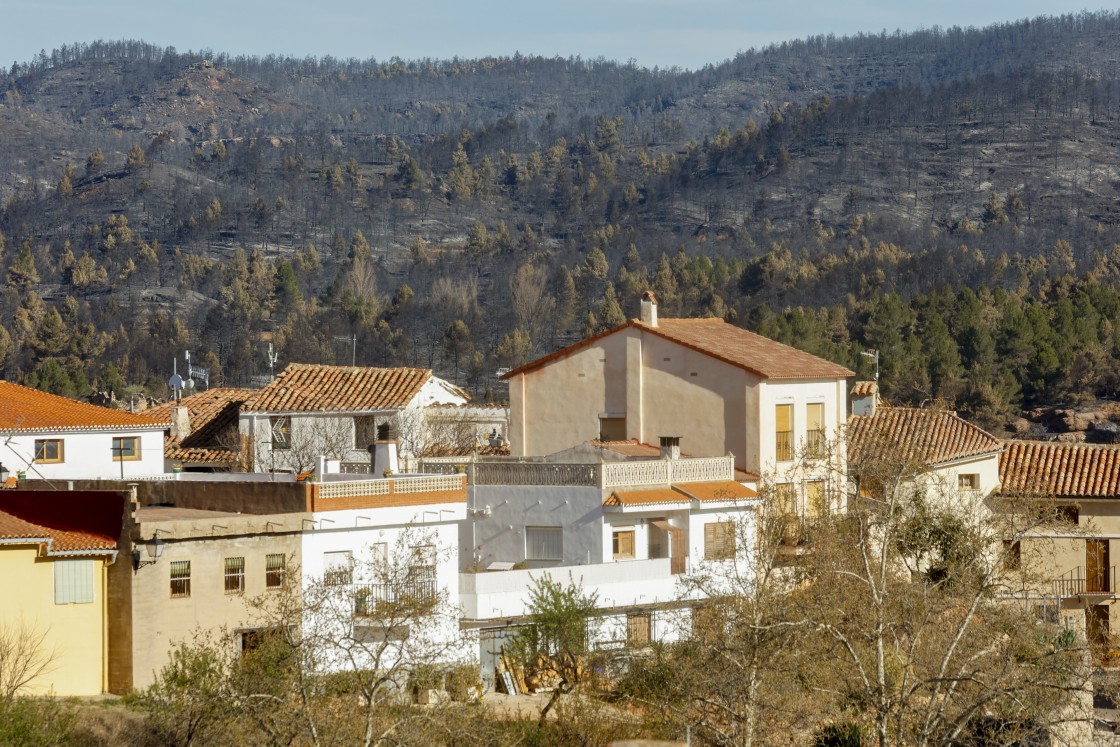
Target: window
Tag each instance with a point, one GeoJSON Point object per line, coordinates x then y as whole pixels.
{"type": "Point", "coordinates": [786, 495]}
{"type": "Point", "coordinates": [1012, 555]}
{"type": "Point", "coordinates": [816, 501]}
{"type": "Point", "coordinates": [783, 433]}
{"type": "Point", "coordinates": [126, 449]}
{"type": "Point", "coordinates": [814, 429]}
{"type": "Point", "coordinates": [74, 581]}
{"type": "Point", "coordinates": [544, 543]}
{"type": "Point", "coordinates": [719, 540]}
{"type": "Point", "coordinates": [338, 568]}
{"type": "Point", "coordinates": [639, 628]}
{"type": "Point", "coordinates": [180, 578]}
{"type": "Point", "coordinates": [48, 450]}
{"type": "Point", "coordinates": [612, 429]}
{"type": "Point", "coordinates": [969, 482]}
{"type": "Point", "coordinates": [281, 428]}
{"type": "Point", "coordinates": [365, 431]}
{"type": "Point", "coordinates": [622, 544]}
{"type": "Point", "coordinates": [235, 575]}
{"type": "Point", "coordinates": [274, 568]}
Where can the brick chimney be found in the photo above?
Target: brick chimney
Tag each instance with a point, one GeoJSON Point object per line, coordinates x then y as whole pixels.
{"type": "Point", "coordinates": [649, 309]}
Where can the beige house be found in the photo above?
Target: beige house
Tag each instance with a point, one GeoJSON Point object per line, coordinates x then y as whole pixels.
{"type": "Point", "coordinates": [193, 570]}
{"type": "Point", "coordinates": [718, 387]}
{"type": "Point", "coordinates": [1074, 555]}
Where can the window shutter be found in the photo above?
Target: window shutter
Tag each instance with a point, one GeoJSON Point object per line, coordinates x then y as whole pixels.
{"type": "Point", "coordinates": [73, 581]}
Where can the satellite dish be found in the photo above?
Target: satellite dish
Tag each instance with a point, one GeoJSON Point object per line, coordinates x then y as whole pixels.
{"type": "Point", "coordinates": [188, 384]}
{"type": "Point", "coordinates": [175, 382]}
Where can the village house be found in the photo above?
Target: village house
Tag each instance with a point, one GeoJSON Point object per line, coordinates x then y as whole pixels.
{"type": "Point", "coordinates": [1068, 559]}
{"type": "Point", "coordinates": [55, 557]}
{"type": "Point", "coordinates": [339, 412]}
{"type": "Point", "coordinates": [45, 436]}
{"type": "Point", "coordinates": [946, 454]}
{"type": "Point", "coordinates": [623, 524]}
{"type": "Point", "coordinates": [721, 389]}
{"type": "Point", "coordinates": [204, 431]}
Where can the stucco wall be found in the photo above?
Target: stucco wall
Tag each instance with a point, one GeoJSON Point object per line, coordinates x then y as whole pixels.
{"type": "Point", "coordinates": [74, 633]}
{"type": "Point", "coordinates": [160, 621]}
{"type": "Point", "coordinates": [485, 539]}
{"type": "Point", "coordinates": [85, 456]}
{"type": "Point", "coordinates": [558, 405]}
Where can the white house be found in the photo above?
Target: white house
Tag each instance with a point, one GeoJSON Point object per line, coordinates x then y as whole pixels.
{"type": "Point", "coordinates": [340, 412]}
{"type": "Point", "coordinates": [627, 531]}
{"type": "Point", "coordinates": [949, 454]}
{"type": "Point", "coordinates": [384, 540]}
{"type": "Point", "coordinates": [45, 436]}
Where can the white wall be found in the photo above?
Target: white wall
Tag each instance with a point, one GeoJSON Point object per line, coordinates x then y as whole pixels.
{"type": "Point", "coordinates": [85, 456]}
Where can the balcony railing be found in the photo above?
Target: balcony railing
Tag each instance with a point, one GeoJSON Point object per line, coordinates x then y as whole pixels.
{"type": "Point", "coordinates": [374, 600]}
{"type": "Point", "coordinates": [1080, 583]}
{"type": "Point", "coordinates": [604, 476]}
{"type": "Point", "coordinates": [814, 444]}
{"type": "Point", "coordinates": [783, 446]}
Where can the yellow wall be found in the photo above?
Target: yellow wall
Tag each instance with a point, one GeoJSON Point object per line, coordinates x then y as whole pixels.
{"type": "Point", "coordinates": [74, 632]}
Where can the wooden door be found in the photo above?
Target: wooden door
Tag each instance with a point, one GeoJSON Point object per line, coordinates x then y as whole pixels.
{"type": "Point", "coordinates": [676, 551]}
{"type": "Point", "coordinates": [1096, 567]}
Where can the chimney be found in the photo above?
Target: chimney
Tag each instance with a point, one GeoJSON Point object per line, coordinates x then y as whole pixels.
{"type": "Point", "coordinates": [180, 423]}
{"type": "Point", "coordinates": [670, 447]}
{"type": "Point", "coordinates": [649, 309]}
{"type": "Point", "coordinates": [865, 396]}
{"type": "Point", "coordinates": [385, 457]}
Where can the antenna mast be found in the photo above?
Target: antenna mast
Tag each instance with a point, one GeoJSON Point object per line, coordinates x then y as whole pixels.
{"type": "Point", "coordinates": [873, 356]}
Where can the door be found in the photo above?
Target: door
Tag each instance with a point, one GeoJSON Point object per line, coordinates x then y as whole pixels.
{"type": "Point", "coordinates": [676, 551]}
{"type": "Point", "coordinates": [1097, 567]}
{"type": "Point", "coordinates": [1096, 630]}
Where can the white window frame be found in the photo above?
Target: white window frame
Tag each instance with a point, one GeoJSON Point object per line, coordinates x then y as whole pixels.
{"type": "Point", "coordinates": [544, 543]}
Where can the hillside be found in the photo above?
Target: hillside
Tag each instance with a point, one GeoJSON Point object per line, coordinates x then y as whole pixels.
{"type": "Point", "coordinates": [469, 214]}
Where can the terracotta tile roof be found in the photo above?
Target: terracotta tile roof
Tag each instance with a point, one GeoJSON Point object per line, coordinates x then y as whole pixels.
{"type": "Point", "coordinates": [930, 436]}
{"type": "Point", "coordinates": [57, 541]}
{"type": "Point", "coordinates": [865, 389]}
{"type": "Point", "coordinates": [1060, 469]}
{"type": "Point", "coordinates": [212, 414]}
{"type": "Point", "coordinates": [215, 456]}
{"type": "Point", "coordinates": [303, 387]}
{"type": "Point", "coordinates": [24, 410]}
{"type": "Point", "coordinates": [644, 497]}
{"type": "Point", "coordinates": [760, 355]}
{"type": "Point", "coordinates": [701, 491]}
{"type": "Point", "coordinates": [717, 491]}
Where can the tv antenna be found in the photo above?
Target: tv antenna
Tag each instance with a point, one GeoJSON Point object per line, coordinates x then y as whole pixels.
{"type": "Point", "coordinates": [272, 358]}
{"type": "Point", "coordinates": [873, 356]}
{"type": "Point", "coordinates": [353, 340]}
{"type": "Point", "coordinates": [197, 372]}
{"type": "Point", "coordinates": [177, 382]}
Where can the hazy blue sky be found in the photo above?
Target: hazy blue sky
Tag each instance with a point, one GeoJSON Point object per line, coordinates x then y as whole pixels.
{"type": "Point", "coordinates": [688, 33]}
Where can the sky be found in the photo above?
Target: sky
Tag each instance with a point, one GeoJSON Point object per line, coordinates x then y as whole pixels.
{"type": "Point", "coordinates": [663, 33]}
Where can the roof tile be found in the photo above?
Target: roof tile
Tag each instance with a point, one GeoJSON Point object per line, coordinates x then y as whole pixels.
{"type": "Point", "coordinates": [760, 355]}
{"type": "Point", "coordinates": [31, 411]}
{"type": "Point", "coordinates": [1060, 469]}
{"type": "Point", "coordinates": [931, 436]}
{"type": "Point", "coordinates": [304, 387]}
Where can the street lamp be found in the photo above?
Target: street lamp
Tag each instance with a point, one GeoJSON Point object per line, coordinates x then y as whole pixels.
{"type": "Point", "coordinates": [155, 550]}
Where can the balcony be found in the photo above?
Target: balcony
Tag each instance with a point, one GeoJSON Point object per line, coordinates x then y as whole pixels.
{"type": "Point", "coordinates": [376, 600]}
{"type": "Point", "coordinates": [1079, 583]}
{"type": "Point", "coordinates": [783, 446]}
{"type": "Point", "coordinates": [505, 594]}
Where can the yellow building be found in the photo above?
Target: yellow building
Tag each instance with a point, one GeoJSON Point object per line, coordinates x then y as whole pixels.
{"type": "Point", "coordinates": [54, 557]}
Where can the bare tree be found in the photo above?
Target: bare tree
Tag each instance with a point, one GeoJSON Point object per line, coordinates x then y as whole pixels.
{"type": "Point", "coordinates": [24, 656]}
